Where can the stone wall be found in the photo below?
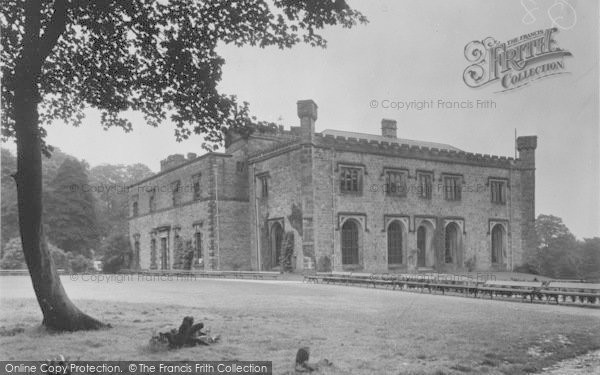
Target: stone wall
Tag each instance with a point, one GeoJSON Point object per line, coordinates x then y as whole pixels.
{"type": "Point", "coordinates": [220, 213]}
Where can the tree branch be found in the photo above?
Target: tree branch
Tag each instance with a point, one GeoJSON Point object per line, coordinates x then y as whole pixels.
{"type": "Point", "coordinates": [56, 27]}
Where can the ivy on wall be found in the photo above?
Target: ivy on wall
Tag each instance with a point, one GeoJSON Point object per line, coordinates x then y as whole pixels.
{"type": "Point", "coordinates": [295, 218]}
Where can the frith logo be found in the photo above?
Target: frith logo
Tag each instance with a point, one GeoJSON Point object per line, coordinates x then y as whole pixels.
{"type": "Point", "coordinates": [515, 63]}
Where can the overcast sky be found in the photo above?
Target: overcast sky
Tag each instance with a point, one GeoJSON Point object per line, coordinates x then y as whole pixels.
{"type": "Point", "coordinates": [414, 50]}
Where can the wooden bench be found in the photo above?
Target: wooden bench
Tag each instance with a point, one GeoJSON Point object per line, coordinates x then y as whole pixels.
{"type": "Point", "coordinates": [507, 288]}
{"type": "Point", "coordinates": [337, 277]}
{"type": "Point", "coordinates": [386, 279]}
{"type": "Point", "coordinates": [252, 274]}
{"type": "Point", "coordinates": [361, 278]}
{"type": "Point", "coordinates": [312, 276]}
{"type": "Point", "coordinates": [582, 291]}
{"type": "Point", "coordinates": [465, 287]}
{"type": "Point", "coordinates": [209, 273]}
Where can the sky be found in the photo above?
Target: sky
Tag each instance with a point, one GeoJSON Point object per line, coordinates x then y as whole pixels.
{"type": "Point", "coordinates": [414, 51]}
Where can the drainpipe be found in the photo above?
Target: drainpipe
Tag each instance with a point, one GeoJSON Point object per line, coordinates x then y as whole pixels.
{"type": "Point", "coordinates": [217, 209]}
{"type": "Point", "coordinates": [256, 226]}
{"type": "Point", "coordinates": [332, 209]}
{"type": "Point", "coordinates": [510, 213]}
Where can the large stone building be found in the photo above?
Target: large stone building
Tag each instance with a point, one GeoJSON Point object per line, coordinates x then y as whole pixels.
{"type": "Point", "coordinates": [336, 200]}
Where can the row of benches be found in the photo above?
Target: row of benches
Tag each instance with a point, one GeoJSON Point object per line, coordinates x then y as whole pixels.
{"type": "Point", "coordinates": [258, 275]}
{"type": "Point", "coordinates": [553, 290]}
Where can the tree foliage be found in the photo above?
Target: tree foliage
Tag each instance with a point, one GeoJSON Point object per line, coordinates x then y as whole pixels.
{"type": "Point", "coordinates": [561, 255]}
{"type": "Point", "coordinates": [8, 197]}
{"type": "Point", "coordinates": [116, 250]}
{"type": "Point", "coordinates": [10, 217]}
{"type": "Point", "coordinates": [157, 57]}
{"type": "Point", "coordinates": [13, 257]}
{"type": "Point", "coordinates": [73, 224]}
{"type": "Point", "coordinates": [109, 186]}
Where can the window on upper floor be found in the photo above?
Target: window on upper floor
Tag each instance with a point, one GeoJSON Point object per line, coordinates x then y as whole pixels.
{"type": "Point", "coordinates": [196, 185]}
{"type": "Point", "coordinates": [396, 183]}
{"type": "Point", "coordinates": [135, 206]}
{"type": "Point", "coordinates": [350, 180]}
{"type": "Point", "coordinates": [264, 186]}
{"type": "Point", "coordinates": [152, 200]}
{"type": "Point", "coordinates": [452, 188]}
{"type": "Point", "coordinates": [198, 244]}
{"type": "Point", "coordinates": [425, 180]}
{"type": "Point", "coordinates": [498, 191]}
{"type": "Point", "coordinates": [176, 192]}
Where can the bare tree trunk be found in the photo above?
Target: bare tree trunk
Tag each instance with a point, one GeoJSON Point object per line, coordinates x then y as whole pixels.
{"type": "Point", "coordinates": [58, 310]}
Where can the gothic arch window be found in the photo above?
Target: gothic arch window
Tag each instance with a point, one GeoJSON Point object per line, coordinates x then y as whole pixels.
{"type": "Point", "coordinates": [395, 242]}
{"type": "Point", "coordinates": [136, 252]}
{"type": "Point", "coordinates": [350, 242]}
{"type": "Point", "coordinates": [276, 242]}
{"type": "Point", "coordinates": [498, 242]}
{"type": "Point", "coordinates": [451, 243]}
{"type": "Point", "coordinates": [421, 246]}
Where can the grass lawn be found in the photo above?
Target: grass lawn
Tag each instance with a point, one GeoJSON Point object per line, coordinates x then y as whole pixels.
{"type": "Point", "coordinates": [362, 331]}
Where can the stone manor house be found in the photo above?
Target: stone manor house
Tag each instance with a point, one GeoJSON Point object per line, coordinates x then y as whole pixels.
{"type": "Point", "coordinates": [335, 200]}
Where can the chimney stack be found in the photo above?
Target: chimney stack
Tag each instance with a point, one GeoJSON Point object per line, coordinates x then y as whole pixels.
{"type": "Point", "coordinates": [389, 128]}
{"type": "Point", "coordinates": [307, 112]}
{"type": "Point", "coordinates": [526, 146]}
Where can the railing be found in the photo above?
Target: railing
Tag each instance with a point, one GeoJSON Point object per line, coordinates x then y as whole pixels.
{"type": "Point", "coordinates": [585, 293]}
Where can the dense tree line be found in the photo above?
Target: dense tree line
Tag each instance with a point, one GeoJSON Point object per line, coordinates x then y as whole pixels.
{"type": "Point", "coordinates": [85, 209]}
{"type": "Point", "coordinates": [560, 254]}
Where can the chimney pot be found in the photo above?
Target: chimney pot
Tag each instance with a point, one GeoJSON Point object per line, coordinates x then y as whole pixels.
{"type": "Point", "coordinates": [307, 108]}
{"type": "Point", "coordinates": [389, 128]}
{"type": "Point", "coordinates": [307, 112]}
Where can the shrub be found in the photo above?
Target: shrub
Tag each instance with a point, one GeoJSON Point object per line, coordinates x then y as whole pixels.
{"type": "Point", "coordinates": [60, 258]}
{"type": "Point", "coordinates": [526, 268]}
{"type": "Point", "coordinates": [13, 258]}
{"type": "Point", "coordinates": [188, 255]}
{"type": "Point", "coordinates": [116, 249]}
{"type": "Point", "coordinates": [471, 263]}
{"type": "Point", "coordinates": [79, 263]}
{"type": "Point", "coordinates": [112, 264]}
{"type": "Point", "coordinates": [287, 252]}
{"type": "Point", "coordinates": [324, 264]}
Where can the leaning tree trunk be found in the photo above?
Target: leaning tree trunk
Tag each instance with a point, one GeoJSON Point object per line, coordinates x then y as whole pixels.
{"type": "Point", "coordinates": [58, 310]}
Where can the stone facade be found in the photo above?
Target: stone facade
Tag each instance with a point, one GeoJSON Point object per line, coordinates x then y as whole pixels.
{"type": "Point", "coordinates": [351, 201]}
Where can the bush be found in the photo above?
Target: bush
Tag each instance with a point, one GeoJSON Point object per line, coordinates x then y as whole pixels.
{"type": "Point", "coordinates": [526, 268]}
{"type": "Point", "coordinates": [471, 263]}
{"type": "Point", "coordinates": [13, 258]}
{"type": "Point", "coordinates": [60, 258]}
{"type": "Point", "coordinates": [116, 248]}
{"type": "Point", "coordinates": [188, 256]}
{"type": "Point", "coordinates": [112, 264]}
{"type": "Point", "coordinates": [79, 263]}
{"type": "Point", "coordinates": [287, 252]}
{"type": "Point", "coordinates": [324, 264]}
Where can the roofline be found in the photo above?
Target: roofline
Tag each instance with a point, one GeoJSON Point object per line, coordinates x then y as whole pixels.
{"type": "Point", "coordinates": [431, 144]}
{"type": "Point", "coordinates": [184, 164]}
{"type": "Point", "coordinates": [399, 151]}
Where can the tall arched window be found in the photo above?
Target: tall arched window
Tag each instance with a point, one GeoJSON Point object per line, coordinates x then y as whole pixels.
{"type": "Point", "coordinates": [136, 254]}
{"type": "Point", "coordinates": [497, 243]}
{"type": "Point", "coordinates": [349, 242]}
{"type": "Point", "coordinates": [394, 236]}
{"type": "Point", "coordinates": [451, 250]}
{"type": "Point", "coordinates": [421, 246]}
{"type": "Point", "coordinates": [276, 240]}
